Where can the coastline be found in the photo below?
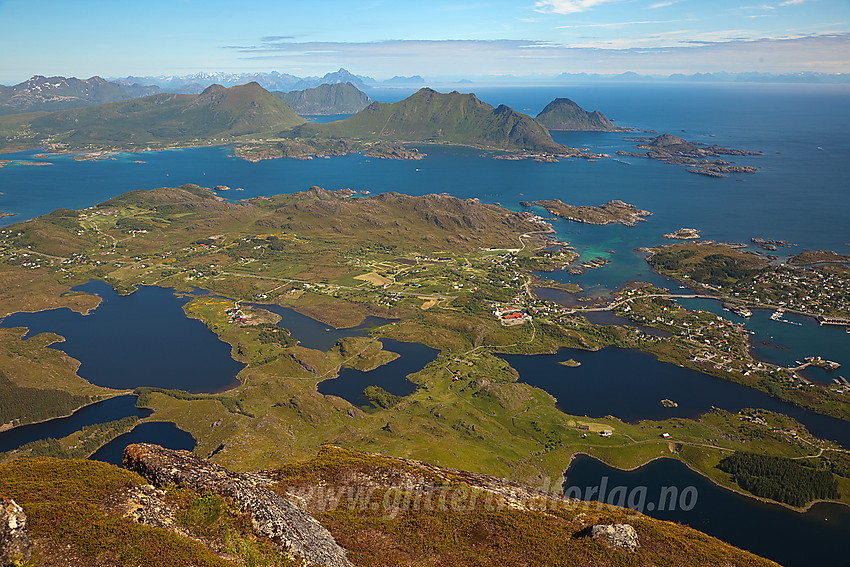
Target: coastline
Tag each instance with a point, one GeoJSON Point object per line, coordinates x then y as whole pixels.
{"type": "Point", "coordinates": [736, 490]}
{"type": "Point", "coordinates": [116, 394]}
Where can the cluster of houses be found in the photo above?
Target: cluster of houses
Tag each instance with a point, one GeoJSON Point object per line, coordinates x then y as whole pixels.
{"type": "Point", "coordinates": [236, 315]}
{"type": "Point", "coordinates": [511, 315]}
{"type": "Point", "coordinates": [803, 289]}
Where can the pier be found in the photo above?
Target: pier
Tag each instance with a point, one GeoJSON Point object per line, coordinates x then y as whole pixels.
{"type": "Point", "coordinates": [833, 321]}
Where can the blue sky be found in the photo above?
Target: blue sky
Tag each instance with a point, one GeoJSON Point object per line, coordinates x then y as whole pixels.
{"type": "Point", "coordinates": [382, 38]}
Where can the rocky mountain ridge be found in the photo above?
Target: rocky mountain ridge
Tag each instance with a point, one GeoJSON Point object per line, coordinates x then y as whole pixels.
{"type": "Point", "coordinates": [50, 94]}
{"type": "Point", "coordinates": [564, 114]}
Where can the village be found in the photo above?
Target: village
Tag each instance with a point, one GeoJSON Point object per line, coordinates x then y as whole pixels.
{"type": "Point", "coordinates": [822, 290]}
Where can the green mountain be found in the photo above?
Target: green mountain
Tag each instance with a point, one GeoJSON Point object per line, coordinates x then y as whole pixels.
{"type": "Point", "coordinates": [339, 98]}
{"type": "Point", "coordinates": [429, 116]}
{"type": "Point", "coordinates": [564, 114]}
{"type": "Point", "coordinates": [160, 120]}
{"type": "Point", "coordinates": [59, 93]}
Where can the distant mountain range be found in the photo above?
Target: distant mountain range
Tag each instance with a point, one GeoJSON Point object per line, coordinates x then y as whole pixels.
{"type": "Point", "coordinates": [429, 116]}
{"type": "Point", "coordinates": [337, 98]}
{"type": "Point", "coordinates": [58, 93]}
{"type": "Point", "coordinates": [273, 81]}
{"type": "Point", "coordinates": [249, 113]}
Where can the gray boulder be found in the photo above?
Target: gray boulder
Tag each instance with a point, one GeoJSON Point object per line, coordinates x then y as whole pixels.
{"type": "Point", "coordinates": [15, 543]}
{"type": "Point", "coordinates": [619, 536]}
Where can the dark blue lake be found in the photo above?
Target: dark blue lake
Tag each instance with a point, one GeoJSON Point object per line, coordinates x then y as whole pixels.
{"type": "Point", "coordinates": [630, 385]}
{"type": "Point", "coordinates": [314, 334]}
{"type": "Point", "coordinates": [141, 339]}
{"type": "Point", "coordinates": [162, 433]}
{"type": "Point", "coordinates": [98, 412]}
{"type": "Point", "coordinates": [392, 376]}
{"type": "Point", "coordinates": [817, 537]}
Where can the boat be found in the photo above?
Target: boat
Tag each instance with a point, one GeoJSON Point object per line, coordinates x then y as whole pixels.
{"type": "Point", "coordinates": [742, 312]}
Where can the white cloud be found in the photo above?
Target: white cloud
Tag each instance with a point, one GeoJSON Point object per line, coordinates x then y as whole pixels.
{"type": "Point", "coordinates": [567, 6]}
{"type": "Point", "coordinates": [620, 24]}
{"type": "Point", "coordinates": [664, 4]}
{"type": "Point", "coordinates": [792, 2]}
{"type": "Point", "coordinates": [676, 51]}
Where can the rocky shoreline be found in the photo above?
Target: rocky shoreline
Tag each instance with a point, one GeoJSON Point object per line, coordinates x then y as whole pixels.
{"type": "Point", "coordinates": [700, 159]}
{"type": "Point", "coordinates": [615, 211]}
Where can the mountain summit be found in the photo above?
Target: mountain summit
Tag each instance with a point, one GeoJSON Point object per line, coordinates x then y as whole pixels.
{"type": "Point", "coordinates": [337, 98]}
{"type": "Point", "coordinates": [453, 118]}
{"type": "Point", "coordinates": [564, 114]}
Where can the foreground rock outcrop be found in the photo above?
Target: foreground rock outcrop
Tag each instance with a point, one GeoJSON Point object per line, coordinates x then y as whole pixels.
{"type": "Point", "coordinates": [15, 543]}
{"type": "Point", "coordinates": [619, 536]}
{"type": "Point", "coordinates": [291, 529]}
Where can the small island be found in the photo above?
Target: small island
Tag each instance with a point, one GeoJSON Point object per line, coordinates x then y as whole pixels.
{"type": "Point", "coordinates": [770, 245]}
{"type": "Point", "coordinates": [611, 212]}
{"type": "Point", "coordinates": [572, 363]}
{"type": "Point", "coordinates": [683, 234]}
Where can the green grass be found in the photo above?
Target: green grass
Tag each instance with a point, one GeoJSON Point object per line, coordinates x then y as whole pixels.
{"type": "Point", "coordinates": [69, 506]}
{"type": "Point", "coordinates": [62, 501]}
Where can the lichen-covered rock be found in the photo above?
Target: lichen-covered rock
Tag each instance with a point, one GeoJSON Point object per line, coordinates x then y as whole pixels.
{"type": "Point", "coordinates": [621, 536]}
{"type": "Point", "coordinates": [15, 543]}
{"type": "Point", "coordinates": [291, 529]}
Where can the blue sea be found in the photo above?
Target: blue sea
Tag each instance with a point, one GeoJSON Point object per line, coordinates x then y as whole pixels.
{"type": "Point", "coordinates": [800, 193]}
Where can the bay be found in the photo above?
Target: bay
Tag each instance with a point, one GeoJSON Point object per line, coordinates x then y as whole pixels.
{"type": "Point", "coordinates": [630, 385]}
{"type": "Point", "coordinates": [798, 195]}
{"type": "Point", "coordinates": [103, 411]}
{"type": "Point", "coordinates": [162, 433]}
{"type": "Point", "coordinates": [789, 123]}
{"type": "Point", "coordinates": [787, 343]}
{"type": "Point", "coordinates": [391, 376]}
